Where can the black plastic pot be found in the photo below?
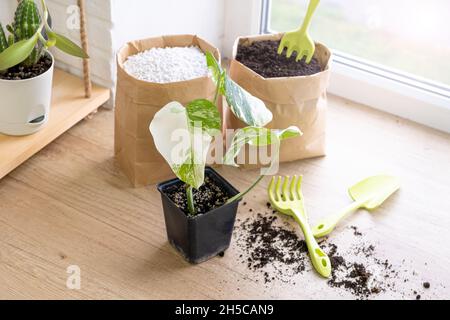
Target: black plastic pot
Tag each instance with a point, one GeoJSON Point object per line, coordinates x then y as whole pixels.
{"type": "Point", "coordinates": [206, 235]}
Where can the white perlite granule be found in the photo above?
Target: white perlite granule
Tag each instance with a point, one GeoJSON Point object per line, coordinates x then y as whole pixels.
{"type": "Point", "coordinates": [164, 65]}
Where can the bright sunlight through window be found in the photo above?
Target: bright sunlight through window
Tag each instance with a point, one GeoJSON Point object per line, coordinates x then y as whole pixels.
{"type": "Point", "coordinates": [408, 35]}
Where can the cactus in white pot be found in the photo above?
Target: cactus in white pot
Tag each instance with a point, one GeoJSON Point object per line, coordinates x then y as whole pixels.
{"type": "Point", "coordinates": [26, 68]}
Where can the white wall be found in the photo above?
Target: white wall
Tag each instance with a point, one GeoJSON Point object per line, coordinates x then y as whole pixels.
{"type": "Point", "coordinates": [134, 20]}
{"type": "Point", "coordinates": [6, 12]}
{"type": "Point", "coordinates": [99, 28]}
{"type": "Point", "coordinates": [112, 23]}
{"type": "Point", "coordinates": [242, 18]}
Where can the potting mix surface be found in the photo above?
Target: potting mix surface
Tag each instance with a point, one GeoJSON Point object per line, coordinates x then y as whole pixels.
{"type": "Point", "coordinates": [21, 72]}
{"type": "Point", "coordinates": [263, 58]}
{"type": "Point", "coordinates": [165, 65]}
{"type": "Point", "coordinates": [208, 197]}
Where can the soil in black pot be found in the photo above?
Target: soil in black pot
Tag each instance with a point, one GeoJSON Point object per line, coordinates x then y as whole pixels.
{"type": "Point", "coordinates": [262, 57]}
{"type": "Point", "coordinates": [209, 197]}
{"type": "Point", "coordinates": [20, 72]}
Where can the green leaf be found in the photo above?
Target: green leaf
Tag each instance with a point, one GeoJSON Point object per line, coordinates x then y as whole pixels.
{"type": "Point", "coordinates": [3, 41]}
{"type": "Point", "coordinates": [214, 67]}
{"type": "Point", "coordinates": [10, 28]}
{"type": "Point", "coordinates": [17, 53]}
{"type": "Point", "coordinates": [291, 132]}
{"type": "Point", "coordinates": [257, 136]}
{"type": "Point", "coordinates": [10, 40]}
{"type": "Point", "coordinates": [51, 42]}
{"type": "Point", "coordinates": [183, 137]}
{"type": "Point", "coordinates": [205, 114]}
{"type": "Point", "coordinates": [246, 107]}
{"type": "Point", "coordinates": [69, 47]}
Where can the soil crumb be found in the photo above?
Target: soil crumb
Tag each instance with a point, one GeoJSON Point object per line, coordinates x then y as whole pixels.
{"type": "Point", "coordinates": [356, 231]}
{"type": "Point", "coordinates": [263, 58]}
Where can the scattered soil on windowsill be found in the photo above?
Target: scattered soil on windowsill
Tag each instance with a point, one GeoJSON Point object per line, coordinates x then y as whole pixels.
{"type": "Point", "coordinates": [271, 248]}
{"type": "Point", "coordinates": [208, 197]}
{"type": "Point", "coordinates": [266, 243]}
{"type": "Point", "coordinates": [262, 57]}
{"type": "Point", "coordinates": [22, 73]}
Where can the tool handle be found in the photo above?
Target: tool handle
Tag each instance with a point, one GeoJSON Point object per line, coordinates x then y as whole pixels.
{"type": "Point", "coordinates": [311, 9]}
{"type": "Point", "coordinates": [319, 258]}
{"type": "Point", "coordinates": [326, 225]}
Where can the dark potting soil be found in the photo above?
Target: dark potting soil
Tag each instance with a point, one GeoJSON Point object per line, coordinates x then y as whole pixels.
{"type": "Point", "coordinates": [353, 276]}
{"type": "Point", "coordinates": [270, 247]}
{"type": "Point", "coordinates": [21, 72]}
{"type": "Point", "coordinates": [263, 58]}
{"type": "Point", "coordinates": [208, 197]}
{"type": "Point", "coordinates": [267, 243]}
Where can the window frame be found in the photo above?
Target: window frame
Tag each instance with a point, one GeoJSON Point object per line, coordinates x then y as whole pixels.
{"type": "Point", "coordinates": [384, 88]}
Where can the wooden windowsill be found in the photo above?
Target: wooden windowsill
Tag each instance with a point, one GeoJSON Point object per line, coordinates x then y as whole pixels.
{"type": "Point", "coordinates": [68, 107]}
{"type": "Point", "coordinates": [71, 205]}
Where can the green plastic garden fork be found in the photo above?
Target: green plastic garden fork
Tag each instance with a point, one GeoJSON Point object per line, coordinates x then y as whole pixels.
{"type": "Point", "coordinates": [287, 198]}
{"type": "Point", "coordinates": [299, 40]}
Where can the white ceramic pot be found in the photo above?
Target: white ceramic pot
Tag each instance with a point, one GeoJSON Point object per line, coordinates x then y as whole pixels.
{"type": "Point", "coordinates": [25, 104]}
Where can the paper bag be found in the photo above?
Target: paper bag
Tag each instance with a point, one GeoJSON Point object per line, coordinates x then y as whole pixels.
{"type": "Point", "coordinates": [138, 101]}
{"type": "Point", "coordinates": [299, 101]}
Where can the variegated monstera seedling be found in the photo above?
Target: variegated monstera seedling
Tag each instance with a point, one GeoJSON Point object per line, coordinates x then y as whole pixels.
{"type": "Point", "coordinates": [183, 134]}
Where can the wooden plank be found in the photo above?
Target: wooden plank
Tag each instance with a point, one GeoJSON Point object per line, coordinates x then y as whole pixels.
{"type": "Point", "coordinates": [68, 107]}
{"type": "Point", "coordinates": [71, 205]}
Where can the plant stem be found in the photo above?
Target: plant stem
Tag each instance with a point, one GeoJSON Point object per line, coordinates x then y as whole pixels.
{"type": "Point", "coordinates": [190, 200]}
{"type": "Point", "coordinates": [216, 96]}
{"type": "Point", "coordinates": [243, 194]}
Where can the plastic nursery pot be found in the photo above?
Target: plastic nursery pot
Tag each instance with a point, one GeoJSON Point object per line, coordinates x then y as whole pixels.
{"type": "Point", "coordinates": [25, 104]}
{"type": "Point", "coordinates": [204, 236]}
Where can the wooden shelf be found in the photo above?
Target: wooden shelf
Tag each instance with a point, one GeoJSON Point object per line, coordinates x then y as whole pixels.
{"type": "Point", "coordinates": [69, 106]}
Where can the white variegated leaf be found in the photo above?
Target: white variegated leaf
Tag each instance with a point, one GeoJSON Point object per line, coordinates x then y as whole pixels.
{"type": "Point", "coordinates": [256, 136]}
{"type": "Point", "coordinates": [184, 146]}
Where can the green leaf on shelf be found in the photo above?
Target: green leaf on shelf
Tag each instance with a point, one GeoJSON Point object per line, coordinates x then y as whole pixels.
{"type": "Point", "coordinates": [3, 40]}
{"type": "Point", "coordinates": [66, 45]}
{"type": "Point", "coordinates": [17, 53]}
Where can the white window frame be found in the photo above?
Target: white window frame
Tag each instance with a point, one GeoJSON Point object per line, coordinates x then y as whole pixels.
{"type": "Point", "coordinates": [356, 79]}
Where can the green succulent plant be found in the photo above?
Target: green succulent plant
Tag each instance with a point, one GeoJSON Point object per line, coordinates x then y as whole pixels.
{"type": "Point", "coordinates": [26, 43]}
{"type": "Point", "coordinates": [3, 41]}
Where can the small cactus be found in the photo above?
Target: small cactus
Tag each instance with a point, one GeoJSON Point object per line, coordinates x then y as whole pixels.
{"type": "Point", "coordinates": [26, 23]}
{"type": "Point", "coordinates": [30, 35]}
{"type": "Point", "coordinates": [3, 41]}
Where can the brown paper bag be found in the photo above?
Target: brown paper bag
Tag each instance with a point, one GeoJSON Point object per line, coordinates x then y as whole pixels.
{"type": "Point", "coordinates": [138, 101]}
{"type": "Point", "coordinates": [294, 101]}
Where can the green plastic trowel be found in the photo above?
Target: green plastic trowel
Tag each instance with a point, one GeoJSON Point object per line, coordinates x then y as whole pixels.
{"type": "Point", "coordinates": [368, 194]}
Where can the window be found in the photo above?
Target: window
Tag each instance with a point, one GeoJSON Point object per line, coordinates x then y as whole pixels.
{"type": "Point", "coordinates": [408, 35]}
{"type": "Point", "coordinates": [397, 53]}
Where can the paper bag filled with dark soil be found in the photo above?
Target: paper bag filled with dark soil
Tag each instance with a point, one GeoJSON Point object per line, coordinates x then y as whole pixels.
{"type": "Point", "coordinates": [295, 92]}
